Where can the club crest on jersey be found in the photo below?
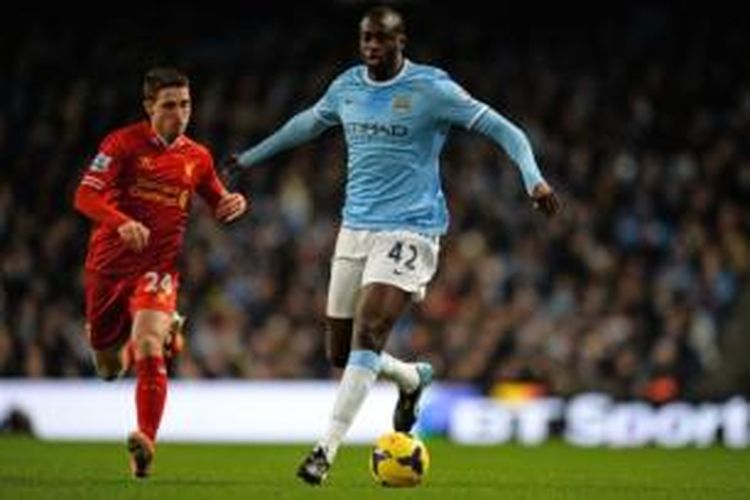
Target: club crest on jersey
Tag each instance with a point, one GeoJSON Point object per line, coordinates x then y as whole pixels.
{"type": "Point", "coordinates": [100, 163]}
{"type": "Point", "coordinates": [401, 103]}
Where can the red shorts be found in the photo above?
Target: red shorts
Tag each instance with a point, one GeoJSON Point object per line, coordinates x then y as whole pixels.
{"type": "Point", "coordinates": [112, 301]}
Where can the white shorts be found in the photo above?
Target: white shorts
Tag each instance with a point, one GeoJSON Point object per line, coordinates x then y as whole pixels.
{"type": "Point", "coordinates": [404, 259]}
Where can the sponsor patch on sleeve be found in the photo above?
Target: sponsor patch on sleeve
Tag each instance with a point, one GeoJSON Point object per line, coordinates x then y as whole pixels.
{"type": "Point", "coordinates": [100, 163]}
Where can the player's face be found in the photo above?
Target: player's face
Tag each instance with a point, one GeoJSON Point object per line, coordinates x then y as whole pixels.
{"type": "Point", "coordinates": [379, 46]}
{"type": "Point", "coordinates": [170, 111]}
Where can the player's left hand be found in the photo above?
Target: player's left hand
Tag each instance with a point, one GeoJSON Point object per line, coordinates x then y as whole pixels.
{"type": "Point", "coordinates": [545, 200]}
{"type": "Point", "coordinates": [230, 206]}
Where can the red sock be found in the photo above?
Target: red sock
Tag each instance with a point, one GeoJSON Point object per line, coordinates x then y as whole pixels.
{"type": "Point", "coordinates": [150, 393]}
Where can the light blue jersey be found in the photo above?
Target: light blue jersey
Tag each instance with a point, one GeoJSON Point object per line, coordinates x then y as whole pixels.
{"type": "Point", "coordinates": [395, 131]}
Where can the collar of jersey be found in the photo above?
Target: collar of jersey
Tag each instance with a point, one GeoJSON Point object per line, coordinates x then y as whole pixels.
{"type": "Point", "coordinates": [385, 83]}
{"type": "Point", "coordinates": [157, 140]}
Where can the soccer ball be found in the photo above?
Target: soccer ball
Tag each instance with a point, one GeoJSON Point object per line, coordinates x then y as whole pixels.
{"type": "Point", "coordinates": [399, 460]}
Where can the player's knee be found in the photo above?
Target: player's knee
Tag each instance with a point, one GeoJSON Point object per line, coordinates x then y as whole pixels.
{"type": "Point", "coordinates": [149, 341]}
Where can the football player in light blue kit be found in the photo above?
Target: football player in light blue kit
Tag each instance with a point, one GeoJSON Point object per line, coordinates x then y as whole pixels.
{"type": "Point", "coordinates": [395, 115]}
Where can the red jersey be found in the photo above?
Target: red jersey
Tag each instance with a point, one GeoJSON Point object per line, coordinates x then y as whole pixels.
{"type": "Point", "coordinates": [135, 175]}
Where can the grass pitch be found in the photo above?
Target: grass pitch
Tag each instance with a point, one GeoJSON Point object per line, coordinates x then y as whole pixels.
{"type": "Point", "coordinates": [33, 469]}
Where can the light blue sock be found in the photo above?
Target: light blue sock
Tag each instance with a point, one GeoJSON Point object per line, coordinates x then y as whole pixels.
{"type": "Point", "coordinates": [359, 376]}
{"type": "Point", "coordinates": [404, 374]}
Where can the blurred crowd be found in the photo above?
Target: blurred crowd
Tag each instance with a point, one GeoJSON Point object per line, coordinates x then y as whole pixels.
{"type": "Point", "coordinates": [640, 122]}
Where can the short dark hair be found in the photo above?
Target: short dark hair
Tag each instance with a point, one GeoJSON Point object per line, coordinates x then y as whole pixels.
{"type": "Point", "coordinates": [160, 78]}
{"type": "Point", "coordinates": [388, 15]}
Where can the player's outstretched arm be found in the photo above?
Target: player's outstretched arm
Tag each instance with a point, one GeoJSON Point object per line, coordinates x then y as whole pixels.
{"type": "Point", "coordinates": [301, 128]}
{"type": "Point", "coordinates": [453, 105]}
{"type": "Point", "coordinates": [515, 143]}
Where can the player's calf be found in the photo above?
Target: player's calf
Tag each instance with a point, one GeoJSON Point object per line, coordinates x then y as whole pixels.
{"type": "Point", "coordinates": [337, 359]}
{"type": "Point", "coordinates": [338, 340]}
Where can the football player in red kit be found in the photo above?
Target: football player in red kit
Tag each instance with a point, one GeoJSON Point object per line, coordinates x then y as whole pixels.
{"type": "Point", "coordinates": [137, 191]}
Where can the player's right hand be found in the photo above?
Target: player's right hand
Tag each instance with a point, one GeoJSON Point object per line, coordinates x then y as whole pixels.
{"type": "Point", "coordinates": [134, 235]}
{"type": "Point", "coordinates": [545, 200]}
{"type": "Point", "coordinates": [230, 170]}
{"type": "Point", "coordinates": [231, 162]}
